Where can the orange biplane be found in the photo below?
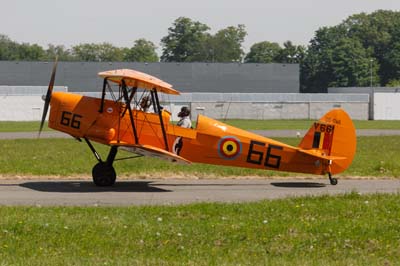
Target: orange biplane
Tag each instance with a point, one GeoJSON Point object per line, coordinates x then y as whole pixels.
{"type": "Point", "coordinates": [327, 148]}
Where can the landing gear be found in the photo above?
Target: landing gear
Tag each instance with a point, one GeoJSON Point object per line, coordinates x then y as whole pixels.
{"type": "Point", "coordinates": [332, 180]}
{"type": "Point", "coordinates": [103, 173]}
{"type": "Point", "coordinates": [328, 170]}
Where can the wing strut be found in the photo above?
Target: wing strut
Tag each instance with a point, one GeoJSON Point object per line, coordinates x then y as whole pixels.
{"type": "Point", "coordinates": [103, 95]}
{"type": "Point", "coordinates": [134, 89]}
{"type": "Point", "coordinates": [128, 104]}
{"type": "Point", "coordinates": [160, 116]}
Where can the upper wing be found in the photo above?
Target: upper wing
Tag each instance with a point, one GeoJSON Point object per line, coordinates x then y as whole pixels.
{"type": "Point", "coordinates": [138, 79]}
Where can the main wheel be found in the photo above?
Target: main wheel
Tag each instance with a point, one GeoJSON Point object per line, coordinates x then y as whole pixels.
{"type": "Point", "coordinates": [103, 175]}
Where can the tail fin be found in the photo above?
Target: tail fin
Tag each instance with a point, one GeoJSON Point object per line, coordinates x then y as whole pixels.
{"type": "Point", "coordinates": [332, 136]}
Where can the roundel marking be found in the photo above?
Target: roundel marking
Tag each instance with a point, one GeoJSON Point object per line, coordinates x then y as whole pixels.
{"type": "Point", "coordinates": [229, 147]}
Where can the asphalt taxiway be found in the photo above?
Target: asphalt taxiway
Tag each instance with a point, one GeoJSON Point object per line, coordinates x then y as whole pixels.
{"type": "Point", "coordinates": [171, 192]}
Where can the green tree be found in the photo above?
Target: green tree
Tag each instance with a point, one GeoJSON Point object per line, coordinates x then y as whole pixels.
{"type": "Point", "coordinates": [352, 65]}
{"type": "Point", "coordinates": [290, 53]}
{"type": "Point", "coordinates": [348, 54]}
{"type": "Point", "coordinates": [185, 42]}
{"type": "Point", "coordinates": [334, 59]}
{"type": "Point", "coordinates": [391, 64]}
{"type": "Point", "coordinates": [10, 50]}
{"type": "Point", "coordinates": [28, 52]}
{"type": "Point", "coordinates": [393, 83]}
{"type": "Point", "coordinates": [103, 52]}
{"type": "Point", "coordinates": [60, 51]}
{"type": "Point", "coordinates": [85, 52]}
{"type": "Point", "coordinates": [226, 44]}
{"type": "Point", "coordinates": [109, 53]}
{"type": "Point", "coordinates": [7, 48]}
{"type": "Point", "coordinates": [316, 71]}
{"type": "Point", "coordinates": [379, 32]}
{"type": "Point", "coordinates": [142, 51]}
{"type": "Point", "coordinates": [263, 52]}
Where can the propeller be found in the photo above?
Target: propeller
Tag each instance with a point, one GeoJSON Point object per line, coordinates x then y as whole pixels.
{"type": "Point", "coordinates": [48, 95]}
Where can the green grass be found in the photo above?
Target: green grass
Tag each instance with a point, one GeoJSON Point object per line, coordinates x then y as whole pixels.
{"type": "Point", "coordinates": [245, 124]}
{"type": "Point", "coordinates": [377, 124]}
{"type": "Point", "coordinates": [21, 126]}
{"type": "Point", "coordinates": [376, 156]}
{"type": "Point", "coordinates": [341, 230]}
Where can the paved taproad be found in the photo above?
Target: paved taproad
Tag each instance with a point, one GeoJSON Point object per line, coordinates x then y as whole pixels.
{"type": "Point", "coordinates": [171, 192]}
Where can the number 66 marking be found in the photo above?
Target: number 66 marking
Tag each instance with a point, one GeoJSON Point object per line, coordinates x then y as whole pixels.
{"type": "Point", "coordinates": [70, 120]}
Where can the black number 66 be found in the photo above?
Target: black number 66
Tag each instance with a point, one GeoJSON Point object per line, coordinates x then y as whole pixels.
{"type": "Point", "coordinates": [70, 120]}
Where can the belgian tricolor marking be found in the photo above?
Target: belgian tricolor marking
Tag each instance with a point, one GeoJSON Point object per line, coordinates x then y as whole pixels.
{"type": "Point", "coordinates": [323, 137]}
{"type": "Point", "coordinates": [229, 147]}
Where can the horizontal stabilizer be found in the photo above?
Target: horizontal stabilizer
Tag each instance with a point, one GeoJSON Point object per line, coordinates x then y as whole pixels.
{"type": "Point", "coordinates": [325, 157]}
{"type": "Point", "coordinates": [151, 151]}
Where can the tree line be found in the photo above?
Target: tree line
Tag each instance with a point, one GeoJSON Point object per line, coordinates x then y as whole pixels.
{"type": "Point", "coordinates": [142, 51]}
{"type": "Point", "coordinates": [363, 50]}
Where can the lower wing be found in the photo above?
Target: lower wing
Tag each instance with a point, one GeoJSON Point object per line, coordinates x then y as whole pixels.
{"type": "Point", "coordinates": [151, 151]}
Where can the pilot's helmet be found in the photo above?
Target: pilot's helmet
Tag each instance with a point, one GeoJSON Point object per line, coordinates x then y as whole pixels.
{"type": "Point", "coordinates": [185, 111]}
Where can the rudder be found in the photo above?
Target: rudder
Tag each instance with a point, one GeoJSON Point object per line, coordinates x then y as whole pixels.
{"type": "Point", "coordinates": [333, 135]}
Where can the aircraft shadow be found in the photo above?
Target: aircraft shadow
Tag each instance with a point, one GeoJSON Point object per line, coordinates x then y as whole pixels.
{"type": "Point", "coordinates": [209, 184]}
{"type": "Point", "coordinates": [298, 184]}
{"type": "Point", "coordinates": [89, 187]}
{"type": "Point", "coordinates": [276, 184]}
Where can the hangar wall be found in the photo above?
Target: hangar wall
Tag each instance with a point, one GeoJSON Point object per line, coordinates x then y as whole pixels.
{"type": "Point", "coordinates": [20, 108]}
{"type": "Point", "coordinates": [23, 103]}
{"type": "Point", "coordinates": [185, 77]}
{"type": "Point", "coordinates": [375, 109]}
{"type": "Point", "coordinates": [386, 106]}
{"type": "Point", "coordinates": [19, 105]}
{"type": "Point", "coordinates": [263, 106]}
{"type": "Point", "coordinates": [270, 105]}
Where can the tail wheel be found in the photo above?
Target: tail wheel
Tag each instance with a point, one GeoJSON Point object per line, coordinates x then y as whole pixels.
{"type": "Point", "coordinates": [333, 180]}
{"type": "Point", "coordinates": [104, 174]}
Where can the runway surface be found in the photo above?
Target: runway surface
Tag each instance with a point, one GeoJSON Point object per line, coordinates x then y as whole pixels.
{"type": "Point", "coordinates": [171, 192]}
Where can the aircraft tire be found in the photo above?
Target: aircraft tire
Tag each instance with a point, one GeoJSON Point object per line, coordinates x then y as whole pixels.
{"type": "Point", "coordinates": [103, 175]}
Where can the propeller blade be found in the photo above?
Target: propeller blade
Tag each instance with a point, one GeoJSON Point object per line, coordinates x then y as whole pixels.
{"type": "Point", "coordinates": [48, 95]}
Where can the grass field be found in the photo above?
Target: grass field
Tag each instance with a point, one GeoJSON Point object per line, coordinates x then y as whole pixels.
{"type": "Point", "coordinates": [245, 124]}
{"type": "Point", "coordinates": [15, 126]}
{"type": "Point", "coordinates": [349, 229]}
{"type": "Point", "coordinates": [341, 230]}
{"type": "Point", "coordinates": [376, 156]}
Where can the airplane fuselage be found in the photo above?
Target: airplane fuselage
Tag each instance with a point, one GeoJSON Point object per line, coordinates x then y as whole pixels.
{"type": "Point", "coordinates": [211, 142]}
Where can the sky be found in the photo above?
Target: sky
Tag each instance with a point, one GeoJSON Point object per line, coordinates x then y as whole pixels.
{"type": "Point", "coordinates": [121, 22]}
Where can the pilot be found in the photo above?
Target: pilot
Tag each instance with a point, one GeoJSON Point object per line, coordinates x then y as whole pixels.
{"type": "Point", "coordinates": [184, 116]}
{"type": "Point", "coordinates": [145, 104]}
{"type": "Point", "coordinates": [184, 121]}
